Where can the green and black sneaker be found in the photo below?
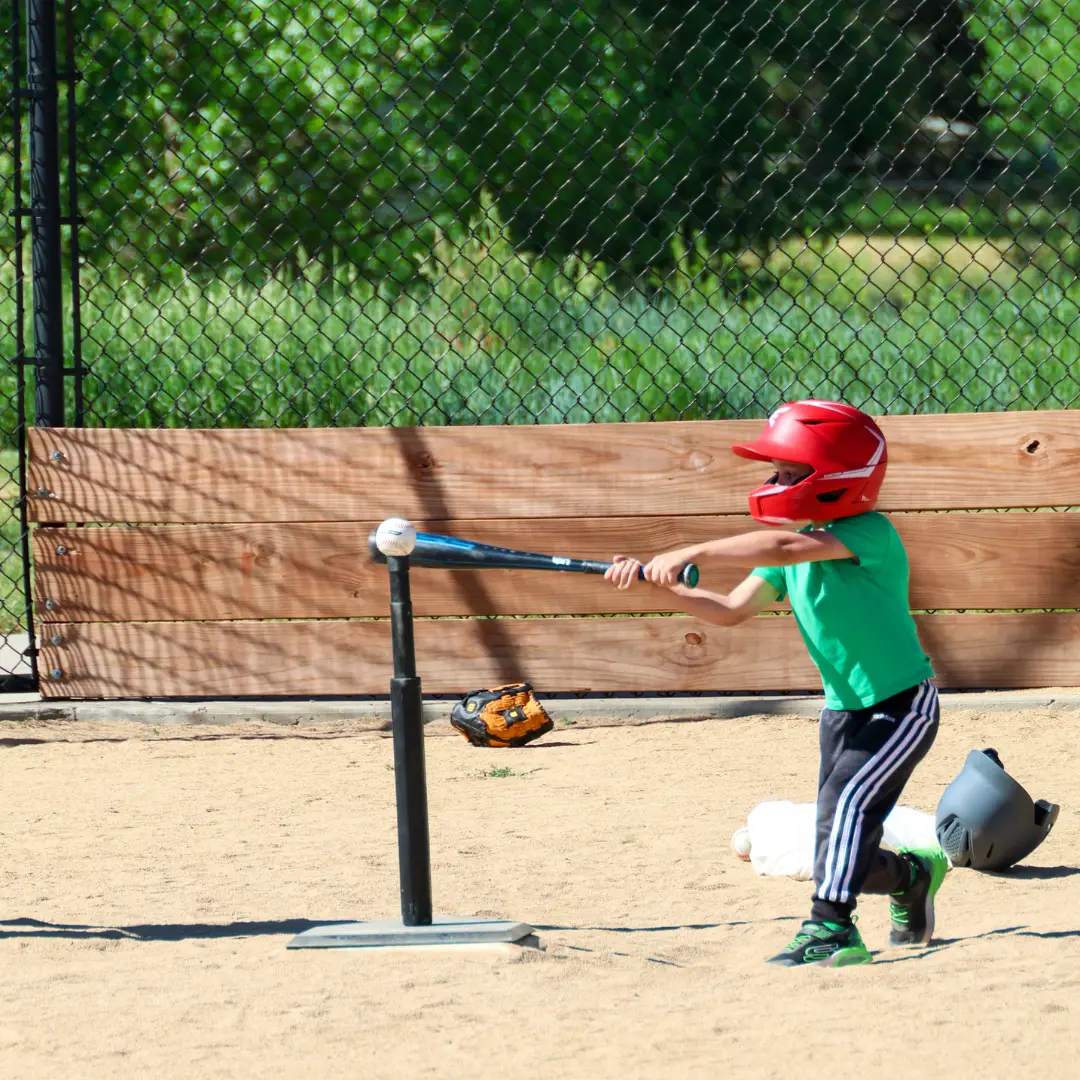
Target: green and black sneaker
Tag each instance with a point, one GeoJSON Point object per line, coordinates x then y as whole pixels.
{"type": "Point", "coordinates": [912, 910]}
{"type": "Point", "coordinates": [826, 943]}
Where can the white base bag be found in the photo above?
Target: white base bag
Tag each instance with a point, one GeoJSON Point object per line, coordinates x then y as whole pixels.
{"type": "Point", "coordinates": [781, 836]}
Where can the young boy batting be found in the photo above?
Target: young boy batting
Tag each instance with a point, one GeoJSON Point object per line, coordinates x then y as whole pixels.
{"type": "Point", "coordinates": [846, 576]}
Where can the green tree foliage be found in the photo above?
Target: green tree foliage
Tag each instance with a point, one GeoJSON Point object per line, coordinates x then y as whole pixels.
{"type": "Point", "coordinates": [1032, 82]}
{"type": "Point", "coordinates": [323, 137]}
{"type": "Point", "coordinates": [259, 135]}
{"type": "Point", "coordinates": [612, 128]}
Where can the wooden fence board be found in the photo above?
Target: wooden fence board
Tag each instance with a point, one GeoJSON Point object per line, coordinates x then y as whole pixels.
{"type": "Point", "coordinates": [316, 571]}
{"type": "Point", "coordinates": [133, 660]}
{"type": "Point", "coordinates": [976, 460]}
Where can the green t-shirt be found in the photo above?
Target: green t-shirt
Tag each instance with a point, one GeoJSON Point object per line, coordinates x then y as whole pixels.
{"type": "Point", "coordinates": [854, 615]}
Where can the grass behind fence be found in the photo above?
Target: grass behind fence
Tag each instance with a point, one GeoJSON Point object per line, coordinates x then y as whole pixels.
{"type": "Point", "coordinates": [502, 340]}
{"type": "Point", "coordinates": [893, 324]}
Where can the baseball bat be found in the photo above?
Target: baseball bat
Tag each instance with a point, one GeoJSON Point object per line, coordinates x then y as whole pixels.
{"type": "Point", "coordinates": [448, 552]}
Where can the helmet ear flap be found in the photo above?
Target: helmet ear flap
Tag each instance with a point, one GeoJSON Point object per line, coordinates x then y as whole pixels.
{"type": "Point", "coordinates": [955, 840]}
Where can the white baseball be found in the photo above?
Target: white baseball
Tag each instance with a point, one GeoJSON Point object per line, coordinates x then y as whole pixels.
{"type": "Point", "coordinates": [395, 536]}
{"type": "Point", "coordinates": [740, 843]}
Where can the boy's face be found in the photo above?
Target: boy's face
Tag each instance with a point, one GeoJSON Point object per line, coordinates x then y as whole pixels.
{"type": "Point", "coordinates": [790, 472]}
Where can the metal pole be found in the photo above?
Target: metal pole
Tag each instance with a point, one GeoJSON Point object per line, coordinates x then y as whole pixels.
{"type": "Point", "coordinates": [45, 247]}
{"type": "Point", "coordinates": [410, 780]}
{"type": "Point", "coordinates": [73, 210]}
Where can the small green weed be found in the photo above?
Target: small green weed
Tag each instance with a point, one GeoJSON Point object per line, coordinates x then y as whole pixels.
{"type": "Point", "coordinates": [501, 772]}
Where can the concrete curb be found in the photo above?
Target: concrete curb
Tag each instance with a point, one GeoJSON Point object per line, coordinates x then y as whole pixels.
{"type": "Point", "coordinates": [577, 712]}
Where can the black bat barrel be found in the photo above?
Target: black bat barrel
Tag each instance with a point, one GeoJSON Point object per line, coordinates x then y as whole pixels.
{"type": "Point", "coordinates": [449, 553]}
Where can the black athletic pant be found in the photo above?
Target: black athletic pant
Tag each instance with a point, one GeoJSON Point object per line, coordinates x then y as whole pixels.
{"type": "Point", "coordinates": [867, 757]}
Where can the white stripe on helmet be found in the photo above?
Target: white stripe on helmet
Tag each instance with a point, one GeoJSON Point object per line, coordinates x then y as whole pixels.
{"type": "Point", "coordinates": [868, 468]}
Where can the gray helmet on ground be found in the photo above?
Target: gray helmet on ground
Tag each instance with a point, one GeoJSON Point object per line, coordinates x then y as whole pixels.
{"type": "Point", "coordinates": [986, 820]}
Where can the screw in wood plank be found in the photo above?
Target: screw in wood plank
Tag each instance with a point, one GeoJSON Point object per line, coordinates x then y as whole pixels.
{"type": "Point", "coordinates": [43, 493]}
{"type": "Point", "coordinates": [56, 639]}
{"type": "Point", "coordinates": [50, 605]}
{"type": "Point", "coordinates": [61, 549]}
{"type": "Point", "coordinates": [58, 455]}
{"type": "Point", "coordinates": [56, 673]}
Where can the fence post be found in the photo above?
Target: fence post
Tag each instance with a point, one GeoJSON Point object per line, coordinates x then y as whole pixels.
{"type": "Point", "coordinates": [45, 248]}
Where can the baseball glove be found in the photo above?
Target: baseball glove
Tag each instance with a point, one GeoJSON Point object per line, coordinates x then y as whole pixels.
{"type": "Point", "coordinates": [503, 716]}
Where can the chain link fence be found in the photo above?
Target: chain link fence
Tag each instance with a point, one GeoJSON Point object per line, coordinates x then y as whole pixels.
{"type": "Point", "coordinates": [313, 212]}
{"type": "Point", "coordinates": [489, 211]}
{"type": "Point", "coordinates": [14, 665]}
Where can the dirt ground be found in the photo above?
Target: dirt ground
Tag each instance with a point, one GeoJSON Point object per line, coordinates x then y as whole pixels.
{"type": "Point", "coordinates": [152, 879]}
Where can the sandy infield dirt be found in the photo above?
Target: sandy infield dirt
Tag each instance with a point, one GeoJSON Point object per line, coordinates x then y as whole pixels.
{"type": "Point", "coordinates": [152, 879]}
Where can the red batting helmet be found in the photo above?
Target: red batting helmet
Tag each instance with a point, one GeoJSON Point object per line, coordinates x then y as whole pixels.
{"type": "Point", "coordinates": [844, 448]}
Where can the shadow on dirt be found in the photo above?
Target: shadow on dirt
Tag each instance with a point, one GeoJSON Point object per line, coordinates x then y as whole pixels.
{"type": "Point", "coordinates": [1036, 873]}
{"type": "Point", "coordinates": [675, 926]}
{"type": "Point", "coordinates": [34, 928]}
{"type": "Point", "coordinates": [943, 943]}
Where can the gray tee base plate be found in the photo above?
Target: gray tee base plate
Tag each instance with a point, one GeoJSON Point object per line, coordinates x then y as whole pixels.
{"type": "Point", "coordinates": [444, 930]}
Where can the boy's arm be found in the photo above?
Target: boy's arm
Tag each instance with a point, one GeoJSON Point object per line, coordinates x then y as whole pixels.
{"type": "Point", "coordinates": [749, 598]}
{"type": "Point", "coordinates": [775, 547]}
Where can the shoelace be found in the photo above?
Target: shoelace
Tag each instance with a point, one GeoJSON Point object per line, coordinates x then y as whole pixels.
{"type": "Point", "coordinates": [801, 938]}
{"type": "Point", "coordinates": [898, 912]}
